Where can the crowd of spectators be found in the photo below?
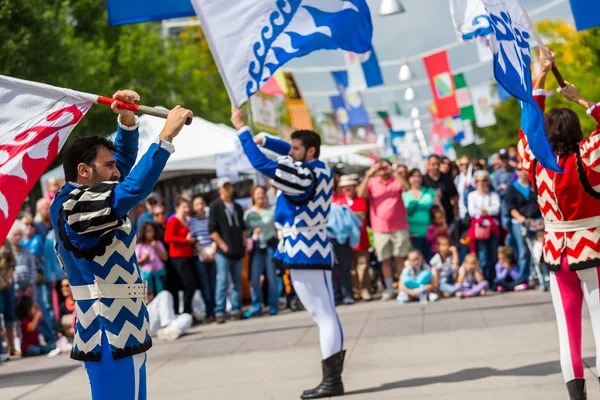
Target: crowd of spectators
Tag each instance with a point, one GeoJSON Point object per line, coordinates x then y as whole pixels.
{"type": "Point", "coordinates": [455, 229]}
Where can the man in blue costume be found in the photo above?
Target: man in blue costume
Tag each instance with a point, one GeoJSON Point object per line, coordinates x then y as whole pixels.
{"type": "Point", "coordinates": [96, 246]}
{"type": "Point", "coordinates": [305, 186]}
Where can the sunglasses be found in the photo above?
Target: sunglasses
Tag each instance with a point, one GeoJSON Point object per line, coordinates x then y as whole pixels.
{"type": "Point", "coordinates": [67, 285]}
{"type": "Point", "coordinates": [481, 181]}
{"type": "Point", "coordinates": [159, 214]}
{"type": "Point", "coordinates": [464, 164]}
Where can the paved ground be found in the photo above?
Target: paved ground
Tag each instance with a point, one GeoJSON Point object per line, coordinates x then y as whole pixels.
{"type": "Point", "coordinates": [497, 347]}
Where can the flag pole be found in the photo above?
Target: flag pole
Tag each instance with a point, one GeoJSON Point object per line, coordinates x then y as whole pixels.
{"type": "Point", "coordinates": [541, 45]}
{"type": "Point", "coordinates": [155, 112]}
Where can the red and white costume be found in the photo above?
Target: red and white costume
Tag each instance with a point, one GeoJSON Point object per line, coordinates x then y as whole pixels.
{"type": "Point", "coordinates": [570, 204]}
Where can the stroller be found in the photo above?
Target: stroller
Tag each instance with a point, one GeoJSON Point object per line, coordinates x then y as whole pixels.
{"type": "Point", "coordinates": [532, 229]}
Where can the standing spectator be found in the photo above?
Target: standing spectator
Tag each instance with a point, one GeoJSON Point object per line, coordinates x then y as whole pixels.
{"type": "Point", "coordinates": [26, 266]}
{"type": "Point", "coordinates": [507, 272]}
{"type": "Point", "coordinates": [181, 251]}
{"type": "Point", "coordinates": [151, 201]}
{"type": "Point", "coordinates": [32, 240]}
{"type": "Point", "coordinates": [42, 217]}
{"type": "Point", "coordinates": [172, 283]}
{"type": "Point", "coordinates": [151, 256]}
{"type": "Point", "coordinates": [361, 279]}
{"type": "Point", "coordinates": [53, 271]}
{"type": "Point", "coordinates": [53, 187]}
{"type": "Point", "coordinates": [227, 229]}
{"type": "Point", "coordinates": [484, 232]}
{"type": "Point", "coordinates": [523, 206]}
{"type": "Point", "coordinates": [503, 178]}
{"type": "Point", "coordinates": [463, 182]}
{"type": "Point", "coordinates": [418, 202]}
{"type": "Point", "coordinates": [402, 170]}
{"type": "Point", "coordinates": [159, 217]}
{"type": "Point", "coordinates": [437, 229]}
{"type": "Point", "coordinates": [206, 250]}
{"type": "Point", "coordinates": [388, 219]}
{"type": "Point", "coordinates": [513, 159]}
{"type": "Point", "coordinates": [7, 299]}
{"type": "Point", "coordinates": [446, 167]}
{"type": "Point", "coordinates": [260, 222]}
{"type": "Point", "coordinates": [443, 185]}
{"type": "Point", "coordinates": [67, 311]}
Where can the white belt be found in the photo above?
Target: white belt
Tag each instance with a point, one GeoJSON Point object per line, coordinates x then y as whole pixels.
{"type": "Point", "coordinates": [295, 230]}
{"type": "Point", "coordinates": [109, 291]}
{"type": "Point", "coordinates": [572, 226]}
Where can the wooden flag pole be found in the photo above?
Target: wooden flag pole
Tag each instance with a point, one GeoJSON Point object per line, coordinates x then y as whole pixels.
{"type": "Point", "coordinates": [541, 45]}
{"type": "Point", "coordinates": [155, 112]}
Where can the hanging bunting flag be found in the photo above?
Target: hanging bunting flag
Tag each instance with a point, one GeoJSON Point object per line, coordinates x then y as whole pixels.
{"type": "Point", "coordinates": [397, 108]}
{"type": "Point", "coordinates": [442, 83]}
{"type": "Point", "coordinates": [251, 39]}
{"type": "Point", "coordinates": [299, 112]}
{"type": "Point", "coordinates": [385, 117]}
{"type": "Point", "coordinates": [484, 109]}
{"type": "Point", "coordinates": [509, 30]}
{"type": "Point", "coordinates": [469, 134]}
{"type": "Point", "coordinates": [340, 115]}
{"type": "Point", "coordinates": [357, 114]}
{"type": "Point", "coordinates": [463, 98]}
{"type": "Point", "coordinates": [585, 13]}
{"type": "Point", "coordinates": [363, 70]}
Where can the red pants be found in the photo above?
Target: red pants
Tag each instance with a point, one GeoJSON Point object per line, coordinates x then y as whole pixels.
{"type": "Point", "coordinates": [569, 289]}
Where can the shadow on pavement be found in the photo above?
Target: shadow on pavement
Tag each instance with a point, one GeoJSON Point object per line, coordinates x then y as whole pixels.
{"type": "Point", "coordinates": [36, 377]}
{"type": "Point", "coordinates": [471, 374]}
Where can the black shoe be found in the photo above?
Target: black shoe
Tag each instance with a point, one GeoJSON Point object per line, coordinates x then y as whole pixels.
{"type": "Point", "coordinates": [332, 384]}
{"type": "Point", "coordinates": [576, 389]}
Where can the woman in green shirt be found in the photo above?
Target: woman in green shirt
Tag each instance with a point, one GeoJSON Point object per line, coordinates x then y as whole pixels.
{"type": "Point", "coordinates": [418, 201]}
{"type": "Point", "coordinates": [260, 222]}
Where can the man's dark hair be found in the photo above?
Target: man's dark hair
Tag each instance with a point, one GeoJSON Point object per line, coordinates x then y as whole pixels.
{"type": "Point", "coordinates": [564, 131]}
{"type": "Point", "coordinates": [434, 156]}
{"type": "Point", "coordinates": [309, 139]}
{"type": "Point", "coordinates": [23, 308]}
{"type": "Point", "coordinates": [84, 149]}
{"type": "Point", "coordinates": [385, 160]}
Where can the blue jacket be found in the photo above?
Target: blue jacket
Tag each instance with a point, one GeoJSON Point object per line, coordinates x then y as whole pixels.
{"type": "Point", "coordinates": [343, 225]}
{"type": "Point", "coordinates": [52, 269]}
{"type": "Point", "coordinates": [302, 209]}
{"type": "Point", "coordinates": [96, 243]}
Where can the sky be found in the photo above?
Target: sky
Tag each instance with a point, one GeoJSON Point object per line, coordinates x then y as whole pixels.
{"type": "Point", "coordinates": [424, 26]}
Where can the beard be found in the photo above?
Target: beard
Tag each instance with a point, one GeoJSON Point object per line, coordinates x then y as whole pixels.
{"type": "Point", "coordinates": [97, 179]}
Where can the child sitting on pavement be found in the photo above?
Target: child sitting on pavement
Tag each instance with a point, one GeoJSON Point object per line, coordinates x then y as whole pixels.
{"type": "Point", "coordinates": [470, 282]}
{"type": "Point", "coordinates": [508, 277]}
{"type": "Point", "coordinates": [444, 266]}
{"type": "Point", "coordinates": [416, 276]}
{"type": "Point", "coordinates": [30, 315]}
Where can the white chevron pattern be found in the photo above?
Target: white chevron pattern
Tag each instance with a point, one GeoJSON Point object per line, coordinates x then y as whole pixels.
{"type": "Point", "coordinates": [117, 272]}
{"type": "Point", "coordinates": [120, 340]}
{"type": "Point", "coordinates": [525, 154]}
{"type": "Point", "coordinates": [590, 152]}
{"type": "Point", "coordinates": [117, 246]}
{"type": "Point", "coordinates": [291, 251]}
{"type": "Point", "coordinates": [321, 202]}
{"type": "Point", "coordinates": [319, 219]}
{"type": "Point", "coordinates": [110, 313]}
{"type": "Point", "coordinates": [86, 318]}
{"type": "Point", "coordinates": [88, 346]}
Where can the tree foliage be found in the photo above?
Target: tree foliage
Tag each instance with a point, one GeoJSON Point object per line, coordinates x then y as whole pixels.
{"type": "Point", "coordinates": [578, 55]}
{"type": "Point", "coordinates": [69, 44]}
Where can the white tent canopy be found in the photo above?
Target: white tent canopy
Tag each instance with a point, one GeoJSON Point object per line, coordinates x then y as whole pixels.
{"type": "Point", "coordinates": [198, 144]}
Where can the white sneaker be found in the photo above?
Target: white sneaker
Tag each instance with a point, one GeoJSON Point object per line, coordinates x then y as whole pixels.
{"type": "Point", "coordinates": [54, 352]}
{"type": "Point", "coordinates": [433, 297]}
{"type": "Point", "coordinates": [387, 296]}
{"type": "Point", "coordinates": [167, 334]}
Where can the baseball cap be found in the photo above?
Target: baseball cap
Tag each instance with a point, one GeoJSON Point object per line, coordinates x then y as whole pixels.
{"type": "Point", "coordinates": [348, 180]}
{"type": "Point", "coordinates": [221, 182]}
{"type": "Point", "coordinates": [503, 153]}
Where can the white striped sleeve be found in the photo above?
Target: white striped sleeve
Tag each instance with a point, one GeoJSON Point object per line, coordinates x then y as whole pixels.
{"type": "Point", "coordinates": [293, 179]}
{"type": "Point", "coordinates": [88, 211]}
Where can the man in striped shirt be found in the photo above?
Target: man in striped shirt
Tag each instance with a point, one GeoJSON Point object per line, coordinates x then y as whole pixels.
{"type": "Point", "coordinates": [305, 187]}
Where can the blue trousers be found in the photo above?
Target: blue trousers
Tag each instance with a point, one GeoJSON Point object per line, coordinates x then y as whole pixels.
{"type": "Point", "coordinates": [123, 379]}
{"type": "Point", "coordinates": [342, 279]}
{"type": "Point", "coordinates": [208, 284]}
{"type": "Point", "coordinates": [487, 253]}
{"type": "Point", "coordinates": [262, 263]}
{"type": "Point", "coordinates": [523, 255]}
{"type": "Point", "coordinates": [423, 278]}
{"type": "Point", "coordinates": [226, 267]}
{"type": "Point", "coordinates": [420, 243]}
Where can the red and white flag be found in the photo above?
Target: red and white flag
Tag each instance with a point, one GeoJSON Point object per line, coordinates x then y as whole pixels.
{"type": "Point", "coordinates": [35, 121]}
{"type": "Point", "coordinates": [442, 84]}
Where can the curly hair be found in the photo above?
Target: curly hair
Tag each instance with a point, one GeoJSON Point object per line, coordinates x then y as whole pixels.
{"type": "Point", "coordinates": [564, 131]}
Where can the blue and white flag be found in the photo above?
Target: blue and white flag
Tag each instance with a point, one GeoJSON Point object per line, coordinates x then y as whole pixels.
{"type": "Point", "coordinates": [363, 70]}
{"type": "Point", "coordinates": [506, 23]}
{"type": "Point", "coordinates": [251, 39]}
{"type": "Point", "coordinates": [357, 114]}
{"type": "Point", "coordinates": [586, 14]}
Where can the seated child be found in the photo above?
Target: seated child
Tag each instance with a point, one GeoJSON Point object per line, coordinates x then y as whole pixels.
{"type": "Point", "coordinates": [470, 282]}
{"type": "Point", "coordinates": [30, 315]}
{"type": "Point", "coordinates": [508, 277]}
{"type": "Point", "coordinates": [438, 228]}
{"type": "Point", "coordinates": [444, 266]}
{"type": "Point", "coordinates": [414, 275]}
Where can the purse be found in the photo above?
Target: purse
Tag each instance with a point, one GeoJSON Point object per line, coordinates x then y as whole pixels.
{"type": "Point", "coordinates": [482, 232]}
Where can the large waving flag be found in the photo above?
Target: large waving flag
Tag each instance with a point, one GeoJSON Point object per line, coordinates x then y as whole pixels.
{"type": "Point", "coordinates": [35, 121]}
{"type": "Point", "coordinates": [133, 11]}
{"type": "Point", "coordinates": [507, 24]}
{"type": "Point", "coordinates": [585, 13]}
{"type": "Point", "coordinates": [250, 39]}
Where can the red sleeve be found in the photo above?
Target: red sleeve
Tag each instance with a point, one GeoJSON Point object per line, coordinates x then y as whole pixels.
{"type": "Point", "coordinates": [172, 234]}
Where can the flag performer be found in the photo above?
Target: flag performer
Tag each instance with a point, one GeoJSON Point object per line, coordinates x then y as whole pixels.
{"type": "Point", "coordinates": [305, 189]}
{"type": "Point", "coordinates": [569, 202]}
{"type": "Point", "coordinates": [96, 246]}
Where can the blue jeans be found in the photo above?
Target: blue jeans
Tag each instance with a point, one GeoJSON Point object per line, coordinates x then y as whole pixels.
{"type": "Point", "coordinates": [226, 267]}
{"type": "Point", "coordinates": [262, 263]}
{"type": "Point", "coordinates": [421, 245]}
{"type": "Point", "coordinates": [446, 287]}
{"type": "Point", "coordinates": [208, 284]}
{"type": "Point", "coordinates": [8, 306]}
{"type": "Point", "coordinates": [487, 253]}
{"type": "Point", "coordinates": [39, 350]}
{"type": "Point", "coordinates": [342, 279]}
{"type": "Point", "coordinates": [508, 225]}
{"type": "Point", "coordinates": [523, 255]}
{"type": "Point", "coordinates": [423, 278]}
